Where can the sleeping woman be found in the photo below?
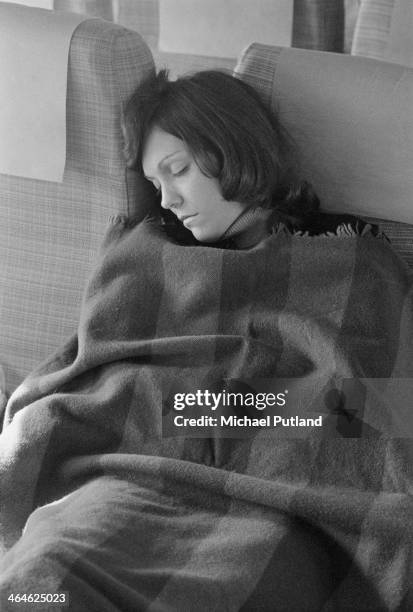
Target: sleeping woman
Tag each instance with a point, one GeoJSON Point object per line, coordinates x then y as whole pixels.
{"type": "Point", "coordinates": [221, 162]}
{"type": "Point", "coordinates": [134, 473]}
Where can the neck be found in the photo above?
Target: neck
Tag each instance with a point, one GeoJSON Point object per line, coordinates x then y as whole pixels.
{"type": "Point", "coordinates": [250, 227]}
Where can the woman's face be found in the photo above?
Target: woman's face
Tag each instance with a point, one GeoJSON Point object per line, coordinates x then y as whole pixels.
{"type": "Point", "coordinates": [192, 196]}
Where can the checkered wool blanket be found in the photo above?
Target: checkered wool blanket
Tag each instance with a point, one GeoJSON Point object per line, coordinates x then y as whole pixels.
{"type": "Point", "coordinates": [122, 512]}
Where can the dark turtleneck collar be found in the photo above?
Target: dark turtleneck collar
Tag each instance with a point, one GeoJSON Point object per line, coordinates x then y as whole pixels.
{"type": "Point", "coordinates": [250, 227]}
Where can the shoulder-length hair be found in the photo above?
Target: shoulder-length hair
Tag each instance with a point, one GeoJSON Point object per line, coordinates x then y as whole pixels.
{"type": "Point", "coordinates": [230, 132]}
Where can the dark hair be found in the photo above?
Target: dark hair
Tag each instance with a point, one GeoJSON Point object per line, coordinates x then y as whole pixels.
{"type": "Point", "coordinates": [230, 132]}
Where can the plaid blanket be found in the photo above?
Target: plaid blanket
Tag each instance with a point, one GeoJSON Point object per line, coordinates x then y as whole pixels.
{"type": "Point", "coordinates": [109, 505]}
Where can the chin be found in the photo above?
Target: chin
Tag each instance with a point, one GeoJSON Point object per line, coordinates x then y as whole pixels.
{"type": "Point", "coordinates": [205, 236]}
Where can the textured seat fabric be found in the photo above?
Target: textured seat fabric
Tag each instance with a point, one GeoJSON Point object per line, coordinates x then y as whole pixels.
{"type": "Point", "coordinates": [50, 232]}
{"type": "Point", "coordinates": [351, 121]}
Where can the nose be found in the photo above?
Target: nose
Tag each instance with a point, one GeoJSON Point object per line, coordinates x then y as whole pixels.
{"type": "Point", "coordinates": [170, 198]}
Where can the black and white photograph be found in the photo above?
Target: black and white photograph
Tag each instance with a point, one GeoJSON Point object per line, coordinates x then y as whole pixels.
{"type": "Point", "coordinates": [206, 306]}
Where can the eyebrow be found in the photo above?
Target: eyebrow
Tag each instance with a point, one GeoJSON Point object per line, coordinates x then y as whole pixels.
{"type": "Point", "coordinates": [164, 159]}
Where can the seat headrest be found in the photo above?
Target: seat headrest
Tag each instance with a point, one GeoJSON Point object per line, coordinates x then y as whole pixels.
{"type": "Point", "coordinates": [351, 120]}
{"type": "Point", "coordinates": [34, 51]}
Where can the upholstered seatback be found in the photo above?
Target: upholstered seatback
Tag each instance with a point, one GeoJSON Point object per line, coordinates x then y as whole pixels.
{"type": "Point", "coordinates": [351, 121]}
{"type": "Point", "coordinates": [50, 232]}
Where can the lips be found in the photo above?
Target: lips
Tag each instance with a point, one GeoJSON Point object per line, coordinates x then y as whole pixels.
{"type": "Point", "coordinates": [185, 217]}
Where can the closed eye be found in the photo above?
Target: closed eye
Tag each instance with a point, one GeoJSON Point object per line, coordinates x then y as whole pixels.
{"type": "Point", "coordinates": [181, 171]}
